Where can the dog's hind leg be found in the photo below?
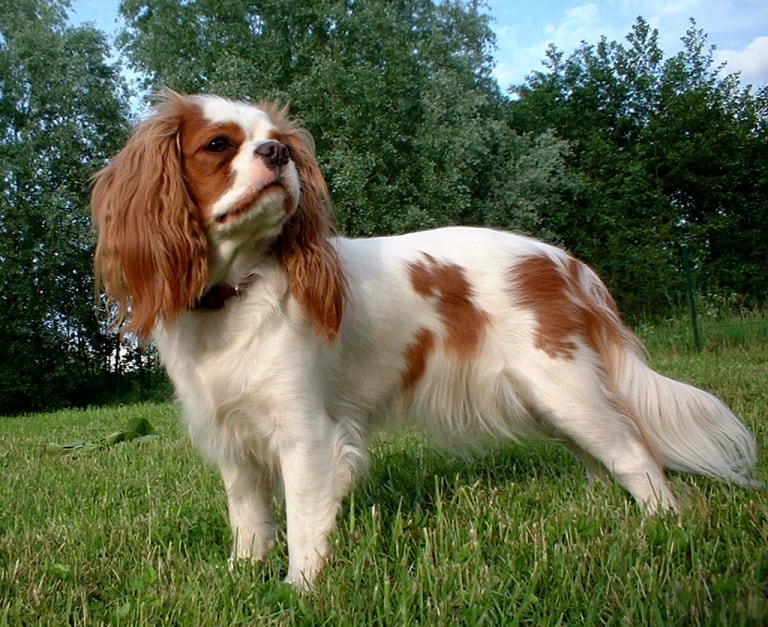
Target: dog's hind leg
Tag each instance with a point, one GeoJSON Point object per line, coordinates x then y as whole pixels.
{"type": "Point", "coordinates": [595, 471]}
{"type": "Point", "coordinates": [599, 427]}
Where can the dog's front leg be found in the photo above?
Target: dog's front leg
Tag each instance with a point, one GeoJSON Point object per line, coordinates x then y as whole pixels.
{"type": "Point", "coordinates": [311, 504]}
{"type": "Point", "coordinates": [249, 493]}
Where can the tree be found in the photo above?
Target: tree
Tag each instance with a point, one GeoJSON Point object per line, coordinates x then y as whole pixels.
{"type": "Point", "coordinates": [710, 144]}
{"type": "Point", "coordinates": [669, 152]}
{"type": "Point", "coordinates": [62, 113]}
{"type": "Point", "coordinates": [409, 123]}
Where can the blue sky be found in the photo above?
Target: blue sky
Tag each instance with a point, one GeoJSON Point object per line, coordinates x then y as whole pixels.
{"type": "Point", "coordinates": [739, 29]}
{"type": "Point", "coordinates": [524, 29]}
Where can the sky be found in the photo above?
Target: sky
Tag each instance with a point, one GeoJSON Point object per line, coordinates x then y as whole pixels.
{"type": "Point", "coordinates": [525, 28]}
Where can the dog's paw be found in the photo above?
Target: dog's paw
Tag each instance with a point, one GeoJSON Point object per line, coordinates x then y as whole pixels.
{"type": "Point", "coordinates": [298, 581]}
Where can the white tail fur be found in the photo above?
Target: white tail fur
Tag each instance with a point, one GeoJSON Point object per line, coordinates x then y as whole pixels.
{"type": "Point", "coordinates": [689, 429]}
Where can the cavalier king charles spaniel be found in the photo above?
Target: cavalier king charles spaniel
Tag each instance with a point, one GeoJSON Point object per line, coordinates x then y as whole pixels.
{"type": "Point", "coordinates": [288, 345]}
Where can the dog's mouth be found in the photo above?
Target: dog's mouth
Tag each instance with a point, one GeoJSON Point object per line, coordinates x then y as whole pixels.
{"type": "Point", "coordinates": [249, 201]}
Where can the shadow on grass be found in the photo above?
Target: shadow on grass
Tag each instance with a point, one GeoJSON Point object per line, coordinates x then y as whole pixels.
{"type": "Point", "coordinates": [410, 477]}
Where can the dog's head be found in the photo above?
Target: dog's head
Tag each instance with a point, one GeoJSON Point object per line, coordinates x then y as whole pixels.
{"type": "Point", "coordinates": [201, 181]}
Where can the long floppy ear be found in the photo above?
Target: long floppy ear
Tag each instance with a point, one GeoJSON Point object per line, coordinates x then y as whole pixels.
{"type": "Point", "coordinates": [315, 273]}
{"type": "Point", "coordinates": [151, 256]}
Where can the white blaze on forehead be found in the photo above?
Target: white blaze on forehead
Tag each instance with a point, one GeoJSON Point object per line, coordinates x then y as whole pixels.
{"type": "Point", "coordinates": [255, 122]}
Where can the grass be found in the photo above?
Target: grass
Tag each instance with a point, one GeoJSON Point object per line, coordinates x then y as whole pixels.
{"type": "Point", "coordinates": [136, 533]}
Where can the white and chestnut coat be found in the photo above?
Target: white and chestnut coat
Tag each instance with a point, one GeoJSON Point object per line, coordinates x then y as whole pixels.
{"type": "Point", "coordinates": [287, 345]}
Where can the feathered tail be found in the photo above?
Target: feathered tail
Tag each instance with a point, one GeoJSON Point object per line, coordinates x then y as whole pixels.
{"type": "Point", "coordinates": [688, 428]}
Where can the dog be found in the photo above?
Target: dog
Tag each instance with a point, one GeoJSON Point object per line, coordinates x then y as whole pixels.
{"type": "Point", "coordinates": [288, 345]}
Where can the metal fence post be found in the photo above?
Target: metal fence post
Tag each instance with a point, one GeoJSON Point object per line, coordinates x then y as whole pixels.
{"type": "Point", "coordinates": [691, 296]}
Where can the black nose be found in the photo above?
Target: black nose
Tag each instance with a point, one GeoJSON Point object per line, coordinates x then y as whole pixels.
{"type": "Point", "coordinates": [274, 153]}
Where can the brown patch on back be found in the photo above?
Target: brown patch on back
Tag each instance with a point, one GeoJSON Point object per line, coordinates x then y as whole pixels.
{"type": "Point", "coordinates": [571, 303]}
{"type": "Point", "coordinates": [448, 284]}
{"type": "Point", "coordinates": [568, 305]}
{"type": "Point", "coordinates": [416, 354]}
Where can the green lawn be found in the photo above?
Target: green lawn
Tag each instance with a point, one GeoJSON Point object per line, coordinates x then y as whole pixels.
{"type": "Point", "coordinates": [136, 533]}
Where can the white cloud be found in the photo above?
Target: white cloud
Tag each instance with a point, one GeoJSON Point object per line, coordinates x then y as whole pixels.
{"type": "Point", "coordinates": [751, 62]}
{"type": "Point", "coordinates": [506, 75]}
{"type": "Point", "coordinates": [679, 7]}
{"type": "Point", "coordinates": [527, 27]}
{"type": "Point", "coordinates": [579, 23]}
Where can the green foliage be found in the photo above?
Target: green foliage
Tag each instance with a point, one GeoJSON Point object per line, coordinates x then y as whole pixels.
{"type": "Point", "coordinates": [614, 152]}
{"type": "Point", "coordinates": [408, 122]}
{"type": "Point", "coordinates": [670, 152]}
{"type": "Point", "coordinates": [139, 534]}
{"type": "Point", "coordinates": [62, 115]}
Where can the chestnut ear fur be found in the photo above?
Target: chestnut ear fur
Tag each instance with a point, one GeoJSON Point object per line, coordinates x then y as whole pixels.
{"type": "Point", "coordinates": [151, 256]}
{"type": "Point", "coordinates": [315, 273]}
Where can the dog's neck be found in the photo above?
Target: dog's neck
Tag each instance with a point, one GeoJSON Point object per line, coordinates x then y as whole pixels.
{"type": "Point", "coordinates": [218, 295]}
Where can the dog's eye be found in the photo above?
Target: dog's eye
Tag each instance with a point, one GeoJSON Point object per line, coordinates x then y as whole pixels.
{"type": "Point", "coordinates": [218, 144]}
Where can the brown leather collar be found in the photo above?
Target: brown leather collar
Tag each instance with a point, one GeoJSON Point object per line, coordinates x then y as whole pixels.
{"type": "Point", "coordinates": [219, 294]}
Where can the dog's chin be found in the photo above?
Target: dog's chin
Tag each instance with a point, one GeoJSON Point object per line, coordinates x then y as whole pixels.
{"type": "Point", "coordinates": [247, 228]}
{"type": "Point", "coordinates": [272, 199]}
